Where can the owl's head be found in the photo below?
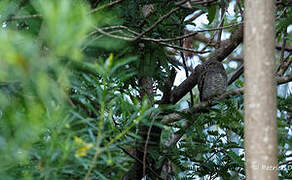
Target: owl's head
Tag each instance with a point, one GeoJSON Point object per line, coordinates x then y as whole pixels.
{"type": "Point", "coordinates": [199, 68]}
{"type": "Point", "coordinates": [214, 65]}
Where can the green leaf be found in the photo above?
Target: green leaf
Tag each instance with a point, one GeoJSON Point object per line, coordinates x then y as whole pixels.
{"type": "Point", "coordinates": [121, 63]}
{"type": "Point", "coordinates": [211, 13]}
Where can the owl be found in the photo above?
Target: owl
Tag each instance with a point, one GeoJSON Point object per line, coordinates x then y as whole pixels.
{"type": "Point", "coordinates": [212, 79]}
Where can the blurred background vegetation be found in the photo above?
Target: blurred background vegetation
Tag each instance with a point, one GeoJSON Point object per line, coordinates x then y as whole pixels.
{"type": "Point", "coordinates": [70, 106]}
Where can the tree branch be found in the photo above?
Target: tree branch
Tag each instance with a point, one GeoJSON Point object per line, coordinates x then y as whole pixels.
{"type": "Point", "coordinates": [198, 107]}
{"type": "Point", "coordinates": [285, 162]}
{"type": "Point", "coordinates": [236, 75]}
{"type": "Point", "coordinates": [201, 106]}
{"type": "Point", "coordinates": [287, 48]}
{"type": "Point", "coordinates": [284, 79]}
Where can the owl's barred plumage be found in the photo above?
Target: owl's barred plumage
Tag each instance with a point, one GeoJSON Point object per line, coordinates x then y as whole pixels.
{"type": "Point", "coordinates": [212, 79]}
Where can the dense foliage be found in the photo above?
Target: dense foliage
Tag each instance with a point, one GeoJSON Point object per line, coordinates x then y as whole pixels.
{"type": "Point", "coordinates": [72, 97]}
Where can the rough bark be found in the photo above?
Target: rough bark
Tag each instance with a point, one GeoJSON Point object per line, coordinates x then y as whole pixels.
{"type": "Point", "coordinates": [260, 91]}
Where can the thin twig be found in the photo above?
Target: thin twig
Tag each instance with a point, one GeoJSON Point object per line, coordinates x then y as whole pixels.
{"type": "Point", "coordinates": [17, 18]}
{"type": "Point", "coordinates": [182, 48]}
{"type": "Point", "coordinates": [210, 41]}
{"type": "Point", "coordinates": [213, 35]}
{"type": "Point", "coordinates": [192, 33]}
{"type": "Point", "coordinates": [195, 16]}
{"type": "Point", "coordinates": [285, 65]}
{"type": "Point", "coordinates": [236, 59]}
{"type": "Point", "coordinates": [185, 68]}
{"type": "Point", "coordinates": [105, 6]}
{"type": "Point", "coordinates": [159, 41]}
{"type": "Point", "coordinates": [239, 7]}
{"type": "Point", "coordinates": [283, 12]}
{"type": "Point", "coordinates": [156, 23]}
{"type": "Point", "coordinates": [92, 164]}
{"type": "Point", "coordinates": [174, 60]}
{"type": "Point", "coordinates": [146, 147]}
{"type": "Point", "coordinates": [111, 28]}
{"type": "Point", "coordinates": [96, 38]}
{"type": "Point", "coordinates": [160, 20]}
{"type": "Point", "coordinates": [200, 2]}
{"type": "Point", "coordinates": [148, 39]}
{"type": "Point", "coordinates": [283, 45]}
{"type": "Point", "coordinates": [285, 162]}
{"type": "Point", "coordinates": [102, 30]}
{"type": "Point", "coordinates": [114, 36]}
{"type": "Point", "coordinates": [138, 160]}
{"type": "Point", "coordinates": [177, 136]}
{"type": "Point", "coordinates": [220, 27]}
{"type": "Point", "coordinates": [204, 39]}
{"type": "Point", "coordinates": [221, 24]}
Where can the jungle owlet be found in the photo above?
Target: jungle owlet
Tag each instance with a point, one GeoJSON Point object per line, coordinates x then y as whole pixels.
{"type": "Point", "coordinates": [212, 79]}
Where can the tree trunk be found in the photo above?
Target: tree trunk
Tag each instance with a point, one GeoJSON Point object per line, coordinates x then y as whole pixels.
{"type": "Point", "coordinates": [260, 91]}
